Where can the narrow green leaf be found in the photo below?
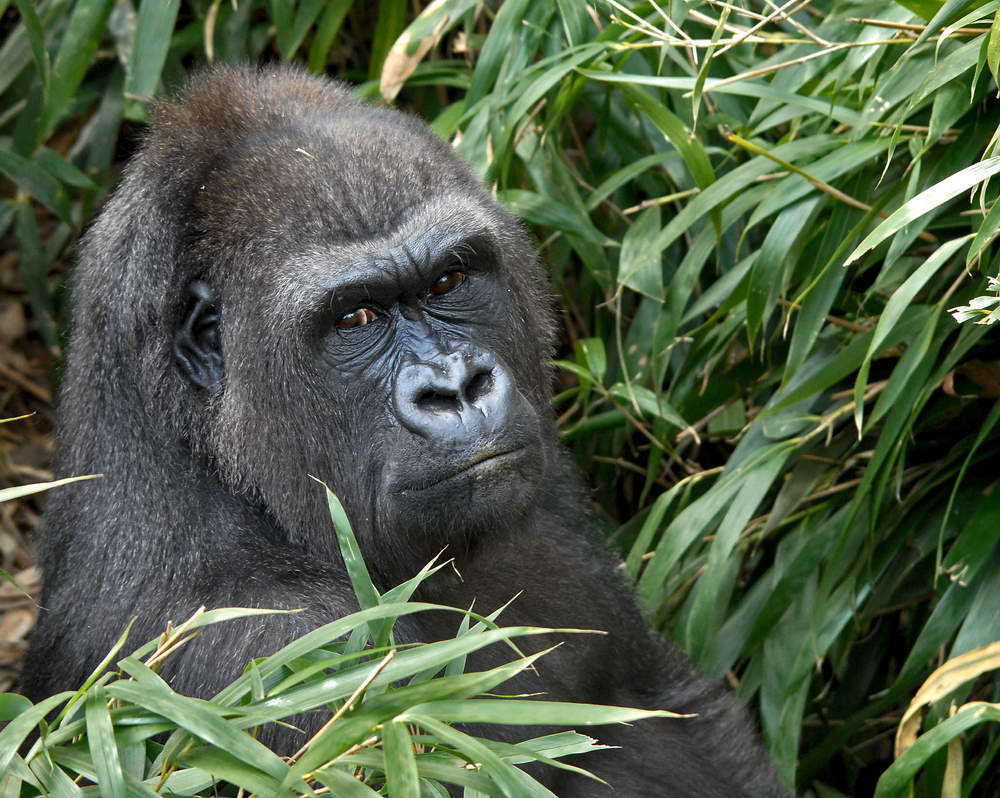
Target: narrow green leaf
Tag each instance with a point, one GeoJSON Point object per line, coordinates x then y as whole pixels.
{"type": "Point", "coordinates": [222, 765]}
{"type": "Point", "coordinates": [767, 274]}
{"type": "Point", "coordinates": [926, 201]}
{"type": "Point", "coordinates": [199, 718]}
{"type": "Point", "coordinates": [305, 16]}
{"type": "Point", "coordinates": [897, 779]}
{"type": "Point", "coordinates": [708, 604]}
{"type": "Point", "coordinates": [15, 732]}
{"type": "Point", "coordinates": [987, 230]}
{"type": "Point", "coordinates": [527, 711]}
{"type": "Point", "coordinates": [993, 48]}
{"type": "Point", "coordinates": [550, 212]}
{"type": "Point", "coordinates": [74, 57]}
{"type": "Point", "coordinates": [326, 33]}
{"type": "Point", "coordinates": [499, 770]}
{"type": "Point", "coordinates": [400, 763]}
{"type": "Point", "coordinates": [649, 528]}
{"type": "Point", "coordinates": [36, 181]}
{"type": "Point", "coordinates": [63, 170]}
{"type": "Point", "coordinates": [947, 11]}
{"type": "Point", "coordinates": [674, 129]}
{"type": "Point", "coordinates": [388, 26]}
{"type": "Point", "coordinates": [36, 38]}
{"type": "Point", "coordinates": [499, 44]}
{"type": "Point", "coordinates": [101, 742]}
{"type": "Point", "coordinates": [153, 32]}
{"type": "Point", "coordinates": [593, 357]}
{"type": "Point", "coordinates": [12, 705]}
{"type": "Point", "coordinates": [361, 580]}
{"type": "Point", "coordinates": [343, 784]}
{"type": "Point", "coordinates": [894, 309]}
{"type": "Point", "coordinates": [650, 403]}
{"type": "Point", "coordinates": [639, 263]}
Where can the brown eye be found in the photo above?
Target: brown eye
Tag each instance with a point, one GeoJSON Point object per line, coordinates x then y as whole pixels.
{"type": "Point", "coordinates": [356, 318]}
{"type": "Point", "coordinates": [448, 282]}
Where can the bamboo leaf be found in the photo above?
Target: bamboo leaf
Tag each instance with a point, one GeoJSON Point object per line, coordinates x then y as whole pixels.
{"type": "Point", "coordinates": [149, 51]}
{"type": "Point", "coordinates": [76, 51]}
{"type": "Point", "coordinates": [926, 201]}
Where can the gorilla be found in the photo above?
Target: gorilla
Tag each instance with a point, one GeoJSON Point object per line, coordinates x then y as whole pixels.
{"type": "Point", "coordinates": [291, 282]}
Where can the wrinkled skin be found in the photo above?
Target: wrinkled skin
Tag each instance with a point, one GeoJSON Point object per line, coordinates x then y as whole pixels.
{"type": "Point", "coordinates": [290, 282]}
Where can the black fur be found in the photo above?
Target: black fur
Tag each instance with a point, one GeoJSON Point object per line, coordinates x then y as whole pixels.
{"type": "Point", "coordinates": [213, 365]}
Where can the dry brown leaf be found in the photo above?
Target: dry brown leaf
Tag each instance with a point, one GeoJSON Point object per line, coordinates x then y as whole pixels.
{"type": "Point", "coordinates": [399, 64]}
{"type": "Point", "coordinates": [946, 679]}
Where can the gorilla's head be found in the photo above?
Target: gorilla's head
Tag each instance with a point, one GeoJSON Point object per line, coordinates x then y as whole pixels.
{"type": "Point", "coordinates": [333, 294]}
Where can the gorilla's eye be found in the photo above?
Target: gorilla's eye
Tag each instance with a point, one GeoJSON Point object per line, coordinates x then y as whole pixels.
{"type": "Point", "coordinates": [448, 281]}
{"type": "Point", "coordinates": [356, 318]}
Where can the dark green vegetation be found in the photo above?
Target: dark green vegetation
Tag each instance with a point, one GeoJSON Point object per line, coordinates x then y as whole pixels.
{"type": "Point", "coordinates": [757, 227]}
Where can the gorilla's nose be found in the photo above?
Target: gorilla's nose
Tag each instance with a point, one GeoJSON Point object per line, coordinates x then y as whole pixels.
{"type": "Point", "coordinates": [454, 398]}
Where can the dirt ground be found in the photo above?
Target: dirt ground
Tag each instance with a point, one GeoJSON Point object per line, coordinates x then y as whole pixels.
{"type": "Point", "coordinates": [25, 457]}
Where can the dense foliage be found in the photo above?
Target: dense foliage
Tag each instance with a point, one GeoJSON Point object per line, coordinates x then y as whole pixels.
{"type": "Point", "coordinates": [757, 225]}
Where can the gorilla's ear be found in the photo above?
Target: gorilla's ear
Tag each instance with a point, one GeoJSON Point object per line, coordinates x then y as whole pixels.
{"type": "Point", "coordinates": [197, 345]}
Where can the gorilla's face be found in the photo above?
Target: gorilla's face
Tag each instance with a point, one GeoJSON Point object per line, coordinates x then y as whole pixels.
{"type": "Point", "coordinates": [371, 332]}
{"type": "Point", "coordinates": [413, 322]}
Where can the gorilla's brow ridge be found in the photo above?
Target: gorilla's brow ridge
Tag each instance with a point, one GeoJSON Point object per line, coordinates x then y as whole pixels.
{"type": "Point", "coordinates": [306, 278]}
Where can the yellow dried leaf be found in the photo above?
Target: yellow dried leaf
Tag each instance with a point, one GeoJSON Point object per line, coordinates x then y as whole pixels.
{"type": "Point", "coordinates": [946, 679]}
{"type": "Point", "coordinates": [404, 57]}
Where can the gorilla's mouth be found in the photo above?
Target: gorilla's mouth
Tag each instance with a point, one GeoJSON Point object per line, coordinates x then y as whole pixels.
{"type": "Point", "coordinates": [475, 468]}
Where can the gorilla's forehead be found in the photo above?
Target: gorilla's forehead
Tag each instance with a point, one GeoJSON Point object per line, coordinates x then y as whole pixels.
{"type": "Point", "coordinates": [330, 179]}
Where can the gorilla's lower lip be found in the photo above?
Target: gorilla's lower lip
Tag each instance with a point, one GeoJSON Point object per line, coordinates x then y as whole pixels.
{"type": "Point", "coordinates": [482, 462]}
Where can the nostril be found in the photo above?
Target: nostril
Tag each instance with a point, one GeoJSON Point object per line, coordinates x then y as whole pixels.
{"type": "Point", "coordinates": [480, 385]}
{"type": "Point", "coordinates": [434, 401]}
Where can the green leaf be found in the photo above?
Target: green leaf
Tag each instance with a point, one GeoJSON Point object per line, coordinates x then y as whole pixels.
{"type": "Point", "coordinates": [551, 213]}
{"type": "Point", "coordinates": [14, 733]}
{"type": "Point", "coordinates": [767, 274]}
{"type": "Point", "coordinates": [36, 181]}
{"type": "Point", "coordinates": [645, 400]}
{"type": "Point", "coordinates": [987, 231]}
{"type": "Point", "coordinates": [639, 264]}
{"type": "Point", "coordinates": [500, 42]}
{"type": "Point", "coordinates": [400, 763]}
{"type": "Point", "coordinates": [389, 25]}
{"type": "Point", "coordinates": [674, 129]}
{"type": "Point", "coordinates": [526, 711]}
{"type": "Point", "coordinates": [897, 305]}
{"type": "Point", "coordinates": [101, 742]}
{"type": "Point", "coordinates": [12, 705]}
{"type": "Point", "coordinates": [224, 766]}
{"type": "Point", "coordinates": [200, 718]}
{"type": "Point", "coordinates": [993, 48]}
{"type": "Point", "coordinates": [361, 580]}
{"type": "Point", "coordinates": [36, 38]}
{"type": "Point", "coordinates": [326, 33]}
{"type": "Point", "coordinates": [149, 50]}
{"type": "Point", "coordinates": [590, 352]}
{"type": "Point", "coordinates": [343, 784]}
{"type": "Point", "coordinates": [76, 52]}
{"type": "Point", "coordinates": [925, 9]}
{"type": "Point", "coordinates": [897, 779]}
{"type": "Point", "coordinates": [926, 201]}
{"type": "Point", "coordinates": [63, 170]}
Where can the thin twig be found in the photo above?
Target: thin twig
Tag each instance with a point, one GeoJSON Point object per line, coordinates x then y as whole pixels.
{"type": "Point", "coordinates": [881, 23]}
{"type": "Point", "coordinates": [798, 25]}
{"type": "Point", "coordinates": [847, 325]}
{"type": "Point", "coordinates": [826, 188]}
{"type": "Point", "coordinates": [348, 703]}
